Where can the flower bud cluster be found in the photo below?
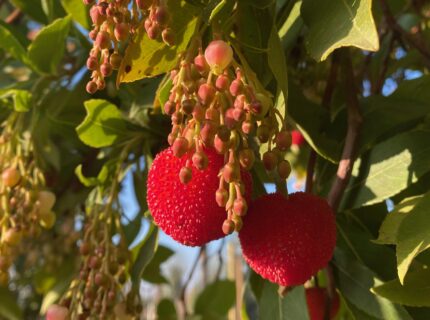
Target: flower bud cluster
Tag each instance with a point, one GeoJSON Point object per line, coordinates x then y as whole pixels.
{"type": "Point", "coordinates": [98, 288]}
{"type": "Point", "coordinates": [214, 103]}
{"type": "Point", "coordinates": [25, 205]}
{"type": "Point", "coordinates": [114, 22]}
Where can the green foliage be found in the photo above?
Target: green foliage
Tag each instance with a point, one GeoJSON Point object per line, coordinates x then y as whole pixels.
{"type": "Point", "coordinates": [334, 24]}
{"type": "Point", "coordinates": [52, 36]}
{"type": "Point", "coordinates": [215, 300]}
{"type": "Point", "coordinates": [103, 124]}
{"type": "Point", "coordinates": [147, 58]}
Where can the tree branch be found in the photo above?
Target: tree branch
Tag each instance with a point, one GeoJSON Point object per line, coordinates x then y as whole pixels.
{"type": "Point", "coordinates": [354, 124]}
{"type": "Point", "coordinates": [414, 41]}
{"type": "Point", "coordinates": [187, 282]}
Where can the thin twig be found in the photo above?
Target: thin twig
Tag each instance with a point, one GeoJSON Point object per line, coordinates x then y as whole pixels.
{"type": "Point", "coordinates": [415, 41]}
{"type": "Point", "coordinates": [377, 88]}
{"type": "Point", "coordinates": [187, 282]}
{"type": "Point", "coordinates": [220, 260]}
{"type": "Point", "coordinates": [15, 15]}
{"type": "Point", "coordinates": [354, 124]}
{"type": "Point", "coordinates": [348, 157]}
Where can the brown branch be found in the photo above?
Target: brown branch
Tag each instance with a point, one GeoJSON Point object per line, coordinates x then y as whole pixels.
{"type": "Point", "coordinates": [414, 41]}
{"type": "Point", "coordinates": [15, 15]}
{"type": "Point", "coordinates": [354, 124]}
{"type": "Point", "coordinates": [377, 88]}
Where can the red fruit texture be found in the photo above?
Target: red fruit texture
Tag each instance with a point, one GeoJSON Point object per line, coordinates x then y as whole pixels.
{"type": "Point", "coordinates": [297, 138]}
{"type": "Point", "coordinates": [287, 240]}
{"type": "Point", "coordinates": [316, 300]}
{"type": "Point", "coordinates": [188, 212]}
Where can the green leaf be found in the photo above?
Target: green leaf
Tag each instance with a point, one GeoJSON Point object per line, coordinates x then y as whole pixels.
{"type": "Point", "coordinates": [166, 310]}
{"type": "Point", "coordinates": [390, 226]}
{"type": "Point", "coordinates": [52, 36]}
{"type": "Point", "coordinates": [91, 181]}
{"type": "Point", "coordinates": [354, 281]}
{"type": "Point", "coordinates": [21, 99]}
{"type": "Point", "coordinates": [146, 58]}
{"type": "Point", "coordinates": [391, 167]}
{"type": "Point", "coordinates": [153, 272]}
{"type": "Point", "coordinates": [142, 255]}
{"type": "Point", "coordinates": [335, 24]}
{"type": "Point", "coordinates": [131, 230]}
{"type": "Point", "coordinates": [413, 235]}
{"type": "Point", "coordinates": [216, 299]}
{"type": "Point", "coordinates": [291, 307]}
{"type": "Point", "coordinates": [32, 8]}
{"type": "Point", "coordinates": [103, 124]}
{"type": "Point", "coordinates": [9, 308]}
{"type": "Point", "coordinates": [78, 10]}
{"type": "Point", "coordinates": [278, 65]}
{"type": "Point", "coordinates": [9, 42]}
{"type": "Point", "coordinates": [139, 183]}
{"type": "Point", "coordinates": [414, 292]}
{"type": "Point", "coordinates": [312, 120]}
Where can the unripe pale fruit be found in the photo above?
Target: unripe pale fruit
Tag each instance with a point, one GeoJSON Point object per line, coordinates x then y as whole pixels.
{"type": "Point", "coordinates": [121, 31]}
{"type": "Point", "coordinates": [221, 197]}
{"type": "Point", "coordinates": [168, 36]}
{"type": "Point", "coordinates": [270, 160]}
{"type": "Point", "coordinates": [103, 40]}
{"type": "Point", "coordinates": [12, 237]}
{"type": "Point", "coordinates": [47, 220]}
{"type": "Point", "coordinates": [180, 147]}
{"type": "Point", "coordinates": [218, 55]}
{"type": "Point", "coordinates": [316, 300]}
{"type": "Point", "coordinates": [115, 60]}
{"type": "Point", "coordinates": [57, 312]}
{"type": "Point", "coordinates": [201, 64]}
{"type": "Point", "coordinates": [283, 140]}
{"type": "Point", "coordinates": [206, 93]}
{"type": "Point", "coordinates": [11, 177]}
{"type": "Point", "coordinates": [189, 212]}
{"type": "Point", "coordinates": [228, 227]}
{"type": "Point", "coordinates": [287, 240]}
{"type": "Point", "coordinates": [46, 201]}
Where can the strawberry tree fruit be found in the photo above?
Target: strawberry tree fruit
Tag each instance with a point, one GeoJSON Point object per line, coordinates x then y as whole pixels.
{"type": "Point", "coordinates": [316, 299]}
{"type": "Point", "coordinates": [57, 312]}
{"type": "Point", "coordinates": [287, 240]}
{"type": "Point", "coordinates": [189, 212]}
{"type": "Point", "coordinates": [218, 55]}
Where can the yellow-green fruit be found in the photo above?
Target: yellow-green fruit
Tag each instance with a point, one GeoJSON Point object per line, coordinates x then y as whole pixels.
{"type": "Point", "coordinates": [12, 237]}
{"type": "Point", "coordinates": [47, 220]}
{"type": "Point", "coordinates": [11, 177]}
{"type": "Point", "coordinates": [46, 201]}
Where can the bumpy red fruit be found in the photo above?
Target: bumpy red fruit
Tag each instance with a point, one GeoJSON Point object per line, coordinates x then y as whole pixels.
{"type": "Point", "coordinates": [189, 212]}
{"type": "Point", "coordinates": [288, 240]}
{"type": "Point", "coordinates": [316, 300]}
{"type": "Point", "coordinates": [297, 138]}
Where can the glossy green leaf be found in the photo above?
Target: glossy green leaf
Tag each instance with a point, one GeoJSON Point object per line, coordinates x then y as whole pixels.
{"type": "Point", "coordinates": [392, 166]}
{"type": "Point", "coordinates": [52, 36]}
{"type": "Point", "coordinates": [413, 236]}
{"type": "Point", "coordinates": [390, 226]}
{"type": "Point", "coordinates": [292, 306]}
{"type": "Point", "coordinates": [10, 43]}
{"type": "Point", "coordinates": [216, 299]}
{"type": "Point", "coordinates": [147, 58]}
{"type": "Point", "coordinates": [22, 99]}
{"type": "Point", "coordinates": [103, 124]}
{"type": "Point", "coordinates": [354, 281]}
{"type": "Point", "coordinates": [142, 255]}
{"type": "Point", "coordinates": [278, 65]}
{"type": "Point", "coordinates": [153, 271]}
{"type": "Point", "coordinates": [9, 308]}
{"type": "Point", "coordinates": [335, 24]}
{"type": "Point", "coordinates": [79, 12]}
{"type": "Point", "coordinates": [415, 291]}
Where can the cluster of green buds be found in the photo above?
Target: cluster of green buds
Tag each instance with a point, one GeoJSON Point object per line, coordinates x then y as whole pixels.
{"type": "Point", "coordinates": [114, 22]}
{"type": "Point", "coordinates": [97, 293]}
{"type": "Point", "coordinates": [216, 102]}
{"type": "Point", "coordinates": [25, 204]}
